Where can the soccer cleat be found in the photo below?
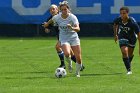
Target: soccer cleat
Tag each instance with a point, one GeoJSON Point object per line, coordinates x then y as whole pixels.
{"type": "Point", "coordinates": [129, 72]}
{"type": "Point", "coordinates": [62, 66]}
{"type": "Point", "coordinates": [77, 74]}
{"type": "Point", "coordinates": [82, 68]}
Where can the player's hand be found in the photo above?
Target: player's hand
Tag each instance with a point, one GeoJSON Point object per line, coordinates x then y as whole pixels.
{"type": "Point", "coordinates": [116, 39]}
{"type": "Point", "coordinates": [45, 24]}
{"type": "Point", "coordinates": [69, 26]}
{"type": "Point", "coordinates": [47, 30]}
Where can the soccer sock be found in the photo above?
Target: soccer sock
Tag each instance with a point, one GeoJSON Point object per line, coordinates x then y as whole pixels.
{"type": "Point", "coordinates": [130, 59]}
{"type": "Point", "coordinates": [68, 59]}
{"type": "Point", "coordinates": [73, 58]}
{"type": "Point", "coordinates": [61, 56]}
{"type": "Point", "coordinates": [78, 68]}
{"type": "Point", "coordinates": [127, 64]}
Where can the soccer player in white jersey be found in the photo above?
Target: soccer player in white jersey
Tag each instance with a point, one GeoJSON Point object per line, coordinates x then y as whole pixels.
{"type": "Point", "coordinates": [68, 27]}
{"type": "Point", "coordinates": [52, 27]}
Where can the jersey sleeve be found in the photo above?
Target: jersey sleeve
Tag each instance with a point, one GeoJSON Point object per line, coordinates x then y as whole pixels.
{"type": "Point", "coordinates": [75, 20]}
{"type": "Point", "coordinates": [116, 21]}
{"type": "Point", "coordinates": [136, 28]}
{"type": "Point", "coordinates": [135, 25]}
{"type": "Point", "coordinates": [54, 18]}
{"type": "Point", "coordinates": [49, 18]}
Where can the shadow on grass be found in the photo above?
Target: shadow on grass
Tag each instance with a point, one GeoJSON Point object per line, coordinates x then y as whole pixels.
{"type": "Point", "coordinates": [25, 75]}
{"type": "Point", "coordinates": [45, 75]}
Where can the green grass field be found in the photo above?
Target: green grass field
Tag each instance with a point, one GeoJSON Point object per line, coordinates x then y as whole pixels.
{"type": "Point", "coordinates": [27, 65]}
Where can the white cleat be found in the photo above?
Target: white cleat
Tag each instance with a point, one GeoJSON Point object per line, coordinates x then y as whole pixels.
{"type": "Point", "coordinates": [129, 72]}
{"type": "Point", "coordinates": [78, 76]}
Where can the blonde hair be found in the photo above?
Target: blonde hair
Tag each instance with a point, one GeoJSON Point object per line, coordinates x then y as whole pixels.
{"type": "Point", "coordinates": [53, 6]}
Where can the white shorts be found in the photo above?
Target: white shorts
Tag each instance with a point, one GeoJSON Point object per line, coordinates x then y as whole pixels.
{"type": "Point", "coordinates": [71, 42]}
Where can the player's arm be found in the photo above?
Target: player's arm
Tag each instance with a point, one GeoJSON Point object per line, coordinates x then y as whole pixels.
{"type": "Point", "coordinates": [137, 31]}
{"type": "Point", "coordinates": [115, 29]}
{"type": "Point", "coordinates": [46, 24]}
{"type": "Point", "coordinates": [47, 30]}
{"type": "Point", "coordinates": [76, 27]}
{"type": "Point", "coordinates": [139, 41]}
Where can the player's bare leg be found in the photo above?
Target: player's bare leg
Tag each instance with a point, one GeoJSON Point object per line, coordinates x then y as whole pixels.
{"type": "Point", "coordinates": [77, 53]}
{"type": "Point", "coordinates": [66, 49]}
{"type": "Point", "coordinates": [130, 53]}
{"type": "Point", "coordinates": [124, 50]}
{"type": "Point", "coordinates": [74, 60]}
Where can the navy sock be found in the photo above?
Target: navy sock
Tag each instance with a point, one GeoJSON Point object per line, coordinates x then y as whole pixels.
{"type": "Point", "coordinates": [73, 58]}
{"type": "Point", "coordinates": [61, 57]}
{"type": "Point", "coordinates": [130, 59]}
{"type": "Point", "coordinates": [127, 63]}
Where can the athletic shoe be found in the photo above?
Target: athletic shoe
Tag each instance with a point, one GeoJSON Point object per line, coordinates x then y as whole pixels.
{"type": "Point", "coordinates": [129, 72]}
{"type": "Point", "coordinates": [82, 68]}
{"type": "Point", "coordinates": [62, 66]}
{"type": "Point", "coordinates": [77, 74]}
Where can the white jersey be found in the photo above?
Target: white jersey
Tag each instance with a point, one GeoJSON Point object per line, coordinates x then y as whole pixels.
{"type": "Point", "coordinates": [66, 34]}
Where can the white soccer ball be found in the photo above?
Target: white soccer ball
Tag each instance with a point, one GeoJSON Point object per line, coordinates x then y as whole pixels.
{"type": "Point", "coordinates": [60, 72]}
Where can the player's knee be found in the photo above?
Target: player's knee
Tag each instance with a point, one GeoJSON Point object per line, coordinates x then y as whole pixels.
{"type": "Point", "coordinates": [67, 55]}
{"type": "Point", "coordinates": [72, 54]}
{"type": "Point", "coordinates": [124, 54]}
{"type": "Point", "coordinates": [58, 48]}
{"type": "Point", "coordinates": [78, 59]}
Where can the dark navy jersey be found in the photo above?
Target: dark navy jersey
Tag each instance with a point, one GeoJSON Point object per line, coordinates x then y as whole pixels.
{"type": "Point", "coordinates": [127, 30]}
{"type": "Point", "coordinates": [53, 27]}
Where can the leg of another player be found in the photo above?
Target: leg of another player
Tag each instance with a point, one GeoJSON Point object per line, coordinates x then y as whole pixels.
{"type": "Point", "coordinates": [124, 50]}
{"type": "Point", "coordinates": [60, 54]}
{"type": "Point", "coordinates": [72, 56]}
{"type": "Point", "coordinates": [77, 52]}
{"type": "Point", "coordinates": [66, 49]}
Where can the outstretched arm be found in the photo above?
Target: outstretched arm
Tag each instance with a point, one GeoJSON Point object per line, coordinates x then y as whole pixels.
{"type": "Point", "coordinates": [115, 29]}
{"type": "Point", "coordinates": [46, 24]}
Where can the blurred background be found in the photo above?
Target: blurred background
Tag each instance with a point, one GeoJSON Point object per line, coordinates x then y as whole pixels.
{"type": "Point", "coordinates": [23, 18]}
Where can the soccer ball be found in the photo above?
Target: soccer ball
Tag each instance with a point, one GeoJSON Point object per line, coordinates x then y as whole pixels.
{"type": "Point", "coordinates": [60, 72]}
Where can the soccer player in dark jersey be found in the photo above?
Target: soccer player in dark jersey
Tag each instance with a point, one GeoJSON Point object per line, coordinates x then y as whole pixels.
{"type": "Point", "coordinates": [53, 27]}
{"type": "Point", "coordinates": [126, 31]}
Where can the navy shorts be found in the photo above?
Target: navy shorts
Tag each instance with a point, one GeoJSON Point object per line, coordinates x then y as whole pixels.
{"type": "Point", "coordinates": [127, 42]}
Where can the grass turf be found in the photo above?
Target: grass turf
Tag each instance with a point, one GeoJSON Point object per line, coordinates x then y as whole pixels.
{"type": "Point", "coordinates": [27, 65]}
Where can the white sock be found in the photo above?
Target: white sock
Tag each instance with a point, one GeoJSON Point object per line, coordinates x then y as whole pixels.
{"type": "Point", "coordinates": [78, 68]}
{"type": "Point", "coordinates": [68, 59]}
